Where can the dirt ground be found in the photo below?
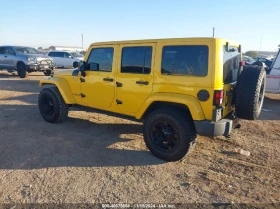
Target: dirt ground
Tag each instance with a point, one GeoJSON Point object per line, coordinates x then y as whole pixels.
{"type": "Point", "coordinates": [95, 158]}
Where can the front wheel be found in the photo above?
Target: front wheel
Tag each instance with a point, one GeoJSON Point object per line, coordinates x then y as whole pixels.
{"type": "Point", "coordinates": [47, 72]}
{"type": "Point", "coordinates": [21, 70]}
{"type": "Point", "coordinates": [169, 134]}
{"type": "Point", "coordinates": [52, 106]}
{"type": "Point", "coordinates": [75, 64]}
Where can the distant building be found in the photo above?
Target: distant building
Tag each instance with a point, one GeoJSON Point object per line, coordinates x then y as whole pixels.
{"type": "Point", "coordinates": [65, 48]}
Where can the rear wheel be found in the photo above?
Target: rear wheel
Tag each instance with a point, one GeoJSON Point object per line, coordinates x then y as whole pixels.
{"type": "Point", "coordinates": [169, 134]}
{"type": "Point", "coordinates": [250, 90]}
{"type": "Point", "coordinates": [21, 70]}
{"type": "Point", "coordinates": [52, 106]}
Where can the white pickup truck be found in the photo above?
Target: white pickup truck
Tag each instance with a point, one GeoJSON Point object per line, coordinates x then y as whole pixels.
{"type": "Point", "coordinates": [273, 76]}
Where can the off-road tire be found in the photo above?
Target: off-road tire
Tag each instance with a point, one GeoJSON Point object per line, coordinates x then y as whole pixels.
{"type": "Point", "coordinates": [48, 72]}
{"type": "Point", "coordinates": [249, 93]}
{"type": "Point", "coordinates": [184, 127]}
{"type": "Point", "coordinates": [60, 109]}
{"type": "Point", "coordinates": [21, 70]}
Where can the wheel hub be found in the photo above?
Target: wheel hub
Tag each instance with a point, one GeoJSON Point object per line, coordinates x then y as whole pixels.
{"type": "Point", "coordinates": [164, 136]}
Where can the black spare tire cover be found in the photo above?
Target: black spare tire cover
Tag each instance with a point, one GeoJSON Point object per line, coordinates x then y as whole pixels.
{"type": "Point", "coordinates": [249, 92]}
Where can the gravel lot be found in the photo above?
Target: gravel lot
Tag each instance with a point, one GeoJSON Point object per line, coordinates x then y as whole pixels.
{"type": "Point", "coordinates": [95, 158]}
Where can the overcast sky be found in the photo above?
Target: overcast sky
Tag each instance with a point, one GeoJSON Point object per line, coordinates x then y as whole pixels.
{"type": "Point", "coordinates": [59, 22]}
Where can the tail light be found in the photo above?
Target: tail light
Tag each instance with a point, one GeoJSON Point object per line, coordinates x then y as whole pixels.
{"type": "Point", "coordinates": [218, 97]}
{"type": "Point", "coordinates": [242, 63]}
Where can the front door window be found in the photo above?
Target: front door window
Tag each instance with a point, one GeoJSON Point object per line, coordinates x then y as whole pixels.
{"type": "Point", "coordinates": [99, 82]}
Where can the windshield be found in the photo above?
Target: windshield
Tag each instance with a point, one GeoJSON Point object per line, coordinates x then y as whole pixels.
{"type": "Point", "coordinates": [75, 54]}
{"type": "Point", "coordinates": [251, 59]}
{"type": "Point", "coordinates": [248, 59]}
{"type": "Point", "coordinates": [26, 50]}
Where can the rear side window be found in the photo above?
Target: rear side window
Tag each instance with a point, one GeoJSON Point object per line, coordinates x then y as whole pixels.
{"type": "Point", "coordinates": [51, 54]}
{"type": "Point", "coordinates": [185, 60]}
{"type": "Point", "coordinates": [103, 57]}
{"type": "Point", "coordinates": [56, 54]}
{"type": "Point", "coordinates": [9, 50]}
{"type": "Point", "coordinates": [232, 58]}
{"type": "Point", "coordinates": [2, 50]}
{"type": "Point", "coordinates": [59, 54]}
{"type": "Point", "coordinates": [136, 60]}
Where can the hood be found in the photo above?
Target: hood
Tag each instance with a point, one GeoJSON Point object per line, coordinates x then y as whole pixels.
{"type": "Point", "coordinates": [39, 57]}
{"type": "Point", "coordinates": [64, 72]}
{"type": "Point", "coordinates": [35, 55]}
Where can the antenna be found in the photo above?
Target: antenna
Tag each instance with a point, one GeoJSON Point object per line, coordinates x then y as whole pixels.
{"type": "Point", "coordinates": [213, 31]}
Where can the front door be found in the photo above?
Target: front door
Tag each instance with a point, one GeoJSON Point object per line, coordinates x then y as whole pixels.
{"type": "Point", "coordinates": [98, 86]}
{"type": "Point", "coordinates": [135, 76]}
{"type": "Point", "coordinates": [67, 59]}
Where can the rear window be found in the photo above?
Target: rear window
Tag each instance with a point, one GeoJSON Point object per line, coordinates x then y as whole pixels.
{"type": "Point", "coordinates": [232, 58]}
{"type": "Point", "coordinates": [57, 54]}
{"type": "Point", "coordinates": [185, 60]}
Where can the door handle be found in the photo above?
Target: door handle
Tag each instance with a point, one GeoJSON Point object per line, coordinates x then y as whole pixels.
{"type": "Point", "coordinates": [5, 56]}
{"type": "Point", "coordinates": [108, 79]}
{"type": "Point", "coordinates": [142, 82]}
{"type": "Point", "coordinates": [119, 84]}
{"type": "Point", "coordinates": [82, 79]}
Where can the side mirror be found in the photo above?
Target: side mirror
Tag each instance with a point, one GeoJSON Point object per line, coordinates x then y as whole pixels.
{"type": "Point", "coordinates": [81, 66]}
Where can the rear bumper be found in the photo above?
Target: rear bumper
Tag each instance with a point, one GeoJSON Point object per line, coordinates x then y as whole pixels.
{"type": "Point", "coordinates": [221, 128]}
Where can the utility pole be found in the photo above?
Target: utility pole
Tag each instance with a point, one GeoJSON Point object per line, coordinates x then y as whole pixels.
{"type": "Point", "coordinates": [82, 41]}
{"type": "Point", "coordinates": [260, 45]}
{"type": "Point", "coordinates": [214, 32]}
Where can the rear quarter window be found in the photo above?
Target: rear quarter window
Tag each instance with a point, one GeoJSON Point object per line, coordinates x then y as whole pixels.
{"type": "Point", "coordinates": [185, 60]}
{"type": "Point", "coordinates": [231, 60]}
{"type": "Point", "coordinates": [51, 54]}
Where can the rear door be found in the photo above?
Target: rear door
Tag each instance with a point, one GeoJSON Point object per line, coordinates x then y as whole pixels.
{"type": "Point", "coordinates": [134, 76]}
{"type": "Point", "coordinates": [231, 60]}
{"type": "Point", "coordinates": [56, 57]}
{"type": "Point", "coordinates": [9, 58]}
{"type": "Point", "coordinates": [2, 52]}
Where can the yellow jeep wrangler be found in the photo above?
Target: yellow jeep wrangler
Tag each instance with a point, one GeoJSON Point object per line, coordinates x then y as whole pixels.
{"type": "Point", "coordinates": [178, 87]}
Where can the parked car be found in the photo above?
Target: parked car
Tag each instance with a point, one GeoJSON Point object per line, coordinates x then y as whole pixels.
{"type": "Point", "coordinates": [65, 59]}
{"type": "Point", "coordinates": [24, 60]}
{"type": "Point", "coordinates": [273, 76]}
{"type": "Point", "coordinates": [248, 60]}
{"type": "Point", "coordinates": [178, 87]}
{"type": "Point", "coordinates": [266, 61]}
